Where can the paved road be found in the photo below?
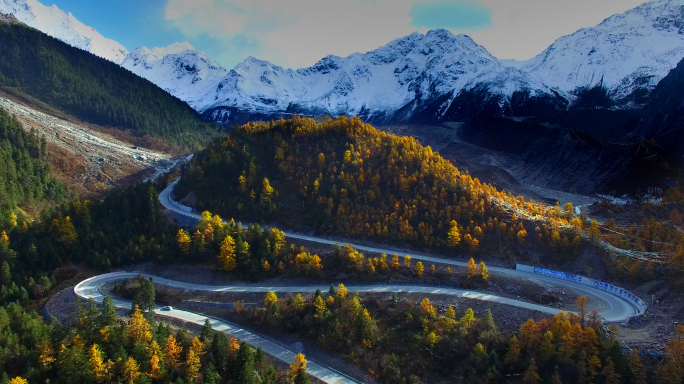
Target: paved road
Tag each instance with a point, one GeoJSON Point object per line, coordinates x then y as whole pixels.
{"type": "Point", "coordinates": [90, 288]}
{"type": "Point", "coordinates": [619, 309]}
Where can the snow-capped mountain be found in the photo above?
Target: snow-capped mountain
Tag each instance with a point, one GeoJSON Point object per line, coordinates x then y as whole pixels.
{"type": "Point", "coordinates": [416, 77]}
{"type": "Point", "coordinates": [65, 27]}
{"type": "Point", "coordinates": [179, 69]}
{"type": "Point", "coordinates": [628, 53]}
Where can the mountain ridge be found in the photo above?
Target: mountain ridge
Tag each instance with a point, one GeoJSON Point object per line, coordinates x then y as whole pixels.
{"type": "Point", "coordinates": [65, 27]}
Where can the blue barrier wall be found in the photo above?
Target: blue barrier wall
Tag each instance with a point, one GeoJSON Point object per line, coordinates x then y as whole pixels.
{"type": "Point", "coordinates": [587, 281]}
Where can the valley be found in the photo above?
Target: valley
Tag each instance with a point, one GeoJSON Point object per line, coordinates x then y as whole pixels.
{"type": "Point", "coordinates": [412, 210]}
{"type": "Point", "coordinates": [85, 156]}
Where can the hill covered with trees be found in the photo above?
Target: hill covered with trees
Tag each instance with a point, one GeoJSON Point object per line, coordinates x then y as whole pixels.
{"type": "Point", "coordinates": [94, 89]}
{"type": "Point", "coordinates": [346, 177]}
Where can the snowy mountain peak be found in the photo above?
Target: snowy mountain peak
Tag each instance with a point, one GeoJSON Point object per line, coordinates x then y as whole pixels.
{"type": "Point", "coordinates": [178, 68]}
{"type": "Point", "coordinates": [406, 74]}
{"type": "Point", "coordinates": [54, 22]}
{"type": "Point", "coordinates": [628, 52]}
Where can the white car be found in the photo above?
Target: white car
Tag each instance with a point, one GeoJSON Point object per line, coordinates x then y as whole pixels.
{"type": "Point", "coordinates": [167, 308]}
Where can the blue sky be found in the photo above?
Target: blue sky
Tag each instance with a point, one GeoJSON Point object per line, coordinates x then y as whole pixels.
{"type": "Point", "coordinates": [297, 33]}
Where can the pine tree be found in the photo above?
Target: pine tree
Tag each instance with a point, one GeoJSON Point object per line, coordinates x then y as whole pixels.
{"type": "Point", "coordinates": [636, 368]}
{"type": "Point", "coordinates": [108, 314]}
{"type": "Point", "coordinates": [531, 375]}
{"type": "Point", "coordinates": [609, 374]}
{"type": "Point", "coordinates": [513, 354]}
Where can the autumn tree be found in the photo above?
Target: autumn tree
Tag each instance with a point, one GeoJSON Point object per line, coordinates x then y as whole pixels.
{"type": "Point", "coordinates": [226, 256]}
{"type": "Point", "coordinates": [419, 269]}
{"type": "Point", "coordinates": [172, 352]}
{"type": "Point", "coordinates": [482, 271]}
{"type": "Point", "coordinates": [139, 329]}
{"type": "Point", "coordinates": [582, 308]}
{"type": "Point", "coordinates": [130, 371]}
{"type": "Point", "coordinates": [298, 369]}
{"type": "Point", "coordinates": [513, 354]}
{"type": "Point", "coordinates": [97, 366]}
{"type": "Point", "coordinates": [395, 262]}
{"type": "Point", "coordinates": [453, 236]}
{"type": "Point", "coordinates": [531, 375]}
{"type": "Point", "coordinates": [183, 240]}
{"type": "Point", "coordinates": [471, 268]}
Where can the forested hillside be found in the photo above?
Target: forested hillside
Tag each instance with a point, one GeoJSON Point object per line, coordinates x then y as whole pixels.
{"type": "Point", "coordinates": [25, 177]}
{"type": "Point", "coordinates": [347, 177]}
{"type": "Point", "coordinates": [94, 89]}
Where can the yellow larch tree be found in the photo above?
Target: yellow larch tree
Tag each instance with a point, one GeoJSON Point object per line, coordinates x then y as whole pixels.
{"type": "Point", "coordinates": [453, 236]}
{"type": "Point", "coordinates": [138, 328]}
{"type": "Point", "coordinates": [97, 366]}
{"type": "Point", "coordinates": [319, 307]}
{"type": "Point", "coordinates": [270, 299]}
{"type": "Point", "coordinates": [131, 371]}
{"type": "Point", "coordinates": [471, 268]}
{"type": "Point", "coordinates": [155, 370]}
{"type": "Point", "coordinates": [395, 262]}
{"type": "Point", "coordinates": [183, 240]}
{"type": "Point", "coordinates": [419, 269]}
{"type": "Point", "coordinates": [172, 351]}
{"type": "Point", "coordinates": [226, 256]}
{"type": "Point", "coordinates": [342, 292]}
{"type": "Point", "coordinates": [18, 380]}
{"type": "Point", "coordinates": [46, 354]}
{"type": "Point", "coordinates": [298, 366]}
{"type": "Point", "coordinates": [428, 309]}
{"type": "Point", "coordinates": [482, 271]}
{"type": "Point", "coordinates": [192, 367]}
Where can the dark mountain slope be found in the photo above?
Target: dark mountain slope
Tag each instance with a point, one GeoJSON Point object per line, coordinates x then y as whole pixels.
{"type": "Point", "coordinates": [93, 89]}
{"type": "Point", "coordinates": [663, 118]}
{"type": "Point", "coordinates": [586, 152]}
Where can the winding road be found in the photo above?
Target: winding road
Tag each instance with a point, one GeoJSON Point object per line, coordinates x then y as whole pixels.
{"type": "Point", "coordinates": [618, 309]}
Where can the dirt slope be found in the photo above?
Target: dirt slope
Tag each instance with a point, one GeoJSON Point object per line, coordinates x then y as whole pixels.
{"type": "Point", "coordinates": [89, 159]}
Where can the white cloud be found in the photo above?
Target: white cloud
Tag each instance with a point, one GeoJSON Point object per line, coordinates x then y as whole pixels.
{"type": "Point", "coordinates": [297, 33]}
